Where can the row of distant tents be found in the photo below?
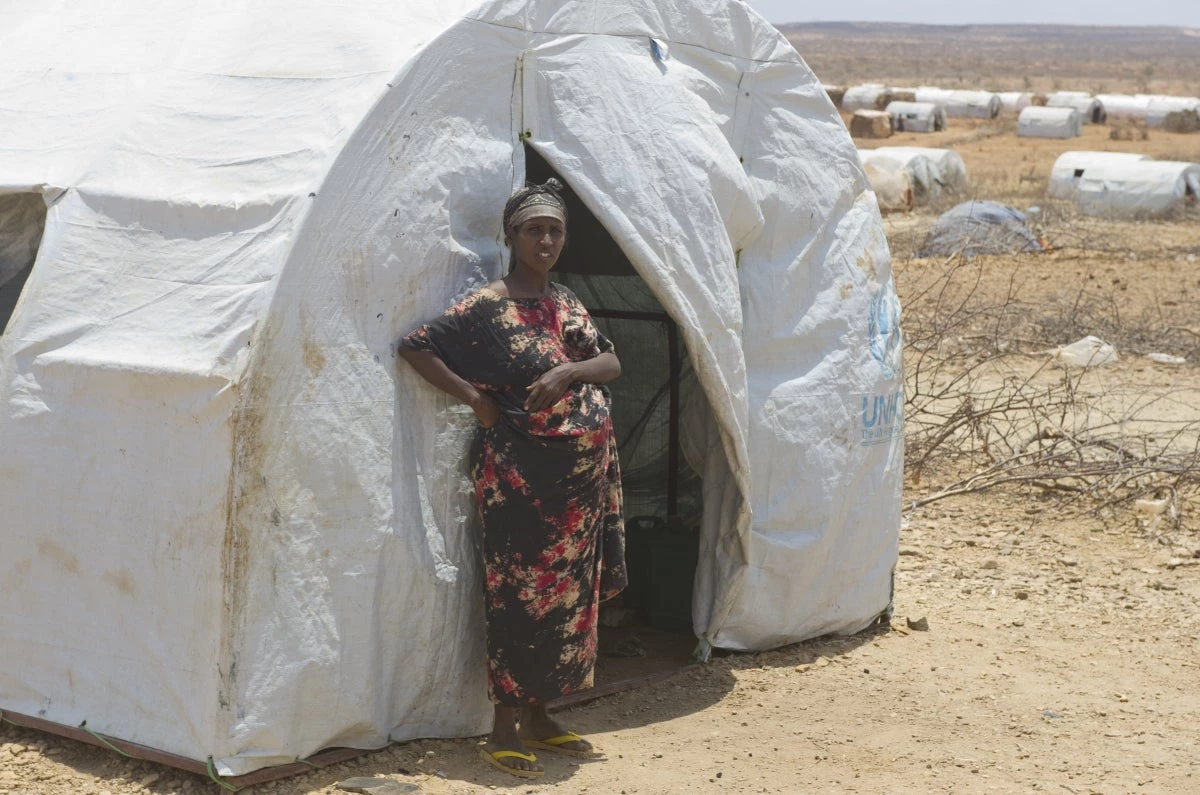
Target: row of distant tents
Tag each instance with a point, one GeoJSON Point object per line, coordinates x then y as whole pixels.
{"type": "Point", "coordinates": [926, 108]}
{"type": "Point", "coordinates": [1100, 183]}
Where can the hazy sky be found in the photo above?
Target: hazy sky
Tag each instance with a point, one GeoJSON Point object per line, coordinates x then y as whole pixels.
{"type": "Point", "coordinates": [1183, 13]}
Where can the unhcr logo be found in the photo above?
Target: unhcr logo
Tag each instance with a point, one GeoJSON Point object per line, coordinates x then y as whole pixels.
{"type": "Point", "coordinates": [883, 330]}
{"type": "Point", "coordinates": [882, 417]}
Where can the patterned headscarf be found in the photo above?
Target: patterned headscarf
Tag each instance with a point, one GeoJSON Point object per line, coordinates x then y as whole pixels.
{"type": "Point", "coordinates": [535, 201]}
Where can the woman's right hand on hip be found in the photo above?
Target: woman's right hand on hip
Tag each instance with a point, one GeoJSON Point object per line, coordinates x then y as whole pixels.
{"type": "Point", "coordinates": [486, 410]}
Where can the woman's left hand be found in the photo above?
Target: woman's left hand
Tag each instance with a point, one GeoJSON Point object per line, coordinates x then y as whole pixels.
{"type": "Point", "coordinates": [549, 387]}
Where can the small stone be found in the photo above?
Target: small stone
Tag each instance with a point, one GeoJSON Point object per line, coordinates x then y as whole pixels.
{"type": "Point", "coordinates": [1022, 595]}
{"type": "Point", "coordinates": [366, 785]}
{"type": "Point", "coordinates": [146, 781]}
{"type": "Point", "coordinates": [821, 662]}
{"type": "Point", "coordinates": [918, 624]}
{"type": "Point", "coordinates": [990, 563]}
{"type": "Point", "coordinates": [1066, 561]}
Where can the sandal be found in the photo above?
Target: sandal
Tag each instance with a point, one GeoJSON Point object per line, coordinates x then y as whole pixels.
{"type": "Point", "coordinates": [494, 757]}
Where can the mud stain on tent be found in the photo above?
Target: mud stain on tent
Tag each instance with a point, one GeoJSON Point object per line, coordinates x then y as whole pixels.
{"type": "Point", "coordinates": [314, 359]}
{"type": "Point", "coordinates": [122, 580]}
{"type": "Point", "coordinates": [59, 555]}
{"type": "Point", "coordinates": [243, 497]}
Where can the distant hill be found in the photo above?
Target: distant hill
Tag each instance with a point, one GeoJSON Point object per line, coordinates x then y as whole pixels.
{"type": "Point", "coordinates": [1041, 57]}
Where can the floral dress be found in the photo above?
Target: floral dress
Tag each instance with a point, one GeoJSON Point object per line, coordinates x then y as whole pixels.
{"type": "Point", "coordinates": [547, 487]}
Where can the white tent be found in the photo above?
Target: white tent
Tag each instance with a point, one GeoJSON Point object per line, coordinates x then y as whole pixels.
{"type": "Point", "coordinates": [1125, 106]}
{"type": "Point", "coordinates": [889, 178]}
{"type": "Point", "coordinates": [1035, 122]}
{"type": "Point", "coordinates": [1140, 189]}
{"type": "Point", "coordinates": [962, 104]}
{"type": "Point", "coordinates": [233, 526]}
{"type": "Point", "coordinates": [1158, 107]}
{"type": "Point", "coordinates": [863, 97]}
{"type": "Point", "coordinates": [1015, 101]}
{"type": "Point", "coordinates": [917, 116]}
{"type": "Point", "coordinates": [933, 172]}
{"type": "Point", "coordinates": [1070, 167]}
{"type": "Point", "coordinates": [1090, 109]}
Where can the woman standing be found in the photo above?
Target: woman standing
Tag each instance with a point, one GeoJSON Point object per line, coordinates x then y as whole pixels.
{"type": "Point", "coordinates": [524, 355]}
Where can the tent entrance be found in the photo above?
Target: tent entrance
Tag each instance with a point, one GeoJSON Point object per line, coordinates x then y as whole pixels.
{"type": "Point", "coordinates": [649, 627]}
{"type": "Point", "coordinates": [22, 222]}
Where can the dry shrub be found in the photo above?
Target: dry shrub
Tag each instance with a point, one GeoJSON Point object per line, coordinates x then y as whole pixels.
{"type": "Point", "coordinates": [987, 406]}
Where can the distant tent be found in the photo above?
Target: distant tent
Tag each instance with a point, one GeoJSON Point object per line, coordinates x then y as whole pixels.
{"type": "Point", "coordinates": [980, 227]}
{"type": "Point", "coordinates": [870, 124]}
{"type": "Point", "coordinates": [933, 172]}
{"type": "Point", "coordinates": [962, 104]}
{"type": "Point", "coordinates": [1133, 107]}
{"type": "Point", "coordinates": [1142, 189]}
{"type": "Point", "coordinates": [1015, 101]}
{"type": "Point", "coordinates": [917, 116]}
{"type": "Point", "coordinates": [1070, 167]}
{"type": "Point", "coordinates": [1091, 110]}
{"type": "Point", "coordinates": [891, 182]}
{"type": "Point", "coordinates": [1161, 111]}
{"type": "Point", "coordinates": [1049, 123]}
{"type": "Point", "coordinates": [868, 96]}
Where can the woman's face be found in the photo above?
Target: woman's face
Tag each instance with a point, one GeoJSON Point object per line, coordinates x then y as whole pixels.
{"type": "Point", "coordinates": [538, 242]}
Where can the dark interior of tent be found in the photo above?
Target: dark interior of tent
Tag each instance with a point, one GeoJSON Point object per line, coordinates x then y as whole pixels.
{"type": "Point", "coordinates": [648, 628]}
{"type": "Point", "coordinates": [22, 221]}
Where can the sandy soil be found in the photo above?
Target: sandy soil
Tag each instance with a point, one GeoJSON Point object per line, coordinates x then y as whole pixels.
{"type": "Point", "coordinates": [1061, 656]}
{"type": "Point", "coordinates": [1062, 653]}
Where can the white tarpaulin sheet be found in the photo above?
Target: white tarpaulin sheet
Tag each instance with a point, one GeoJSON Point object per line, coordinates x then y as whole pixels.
{"type": "Point", "coordinates": [1035, 122]}
{"type": "Point", "coordinates": [253, 535]}
{"type": "Point", "coordinates": [1137, 189]}
{"type": "Point", "coordinates": [1070, 167]}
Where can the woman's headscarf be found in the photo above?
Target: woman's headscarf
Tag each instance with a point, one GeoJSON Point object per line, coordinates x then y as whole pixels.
{"type": "Point", "coordinates": [535, 201]}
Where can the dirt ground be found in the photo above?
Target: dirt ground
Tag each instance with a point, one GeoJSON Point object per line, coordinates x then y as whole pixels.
{"type": "Point", "coordinates": [1062, 652]}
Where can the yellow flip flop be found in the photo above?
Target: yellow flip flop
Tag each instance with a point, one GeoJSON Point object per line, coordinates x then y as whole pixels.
{"type": "Point", "coordinates": [494, 757]}
{"type": "Point", "coordinates": [555, 744]}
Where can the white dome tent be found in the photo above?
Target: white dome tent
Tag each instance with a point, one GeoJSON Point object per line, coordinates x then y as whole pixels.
{"type": "Point", "coordinates": [1091, 110]}
{"type": "Point", "coordinates": [917, 116]}
{"type": "Point", "coordinates": [932, 172]}
{"type": "Point", "coordinates": [1035, 122]}
{"type": "Point", "coordinates": [1138, 189]}
{"type": "Point", "coordinates": [250, 524]}
{"type": "Point", "coordinates": [1070, 167]}
{"type": "Point", "coordinates": [1159, 107]}
{"type": "Point", "coordinates": [962, 104]}
{"type": "Point", "coordinates": [890, 179]}
{"type": "Point", "coordinates": [863, 97]}
{"type": "Point", "coordinates": [1131, 107]}
{"type": "Point", "coordinates": [1015, 101]}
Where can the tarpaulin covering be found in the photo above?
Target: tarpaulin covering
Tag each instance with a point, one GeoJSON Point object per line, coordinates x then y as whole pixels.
{"type": "Point", "coordinates": [1138, 188]}
{"type": "Point", "coordinates": [252, 536]}
{"type": "Point", "coordinates": [1070, 167]}
{"type": "Point", "coordinates": [1059, 122]}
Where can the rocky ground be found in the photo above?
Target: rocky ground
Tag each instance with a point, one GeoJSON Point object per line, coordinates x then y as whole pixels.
{"type": "Point", "coordinates": [1060, 656]}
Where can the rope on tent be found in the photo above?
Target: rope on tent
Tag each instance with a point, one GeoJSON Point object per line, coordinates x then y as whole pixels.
{"type": "Point", "coordinates": [300, 761]}
{"type": "Point", "coordinates": [106, 743]}
{"type": "Point", "coordinates": [212, 773]}
{"type": "Point", "coordinates": [6, 720]}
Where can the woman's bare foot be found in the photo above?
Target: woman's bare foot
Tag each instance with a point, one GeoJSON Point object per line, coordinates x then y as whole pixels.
{"type": "Point", "coordinates": [505, 738]}
{"type": "Point", "coordinates": [536, 724]}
